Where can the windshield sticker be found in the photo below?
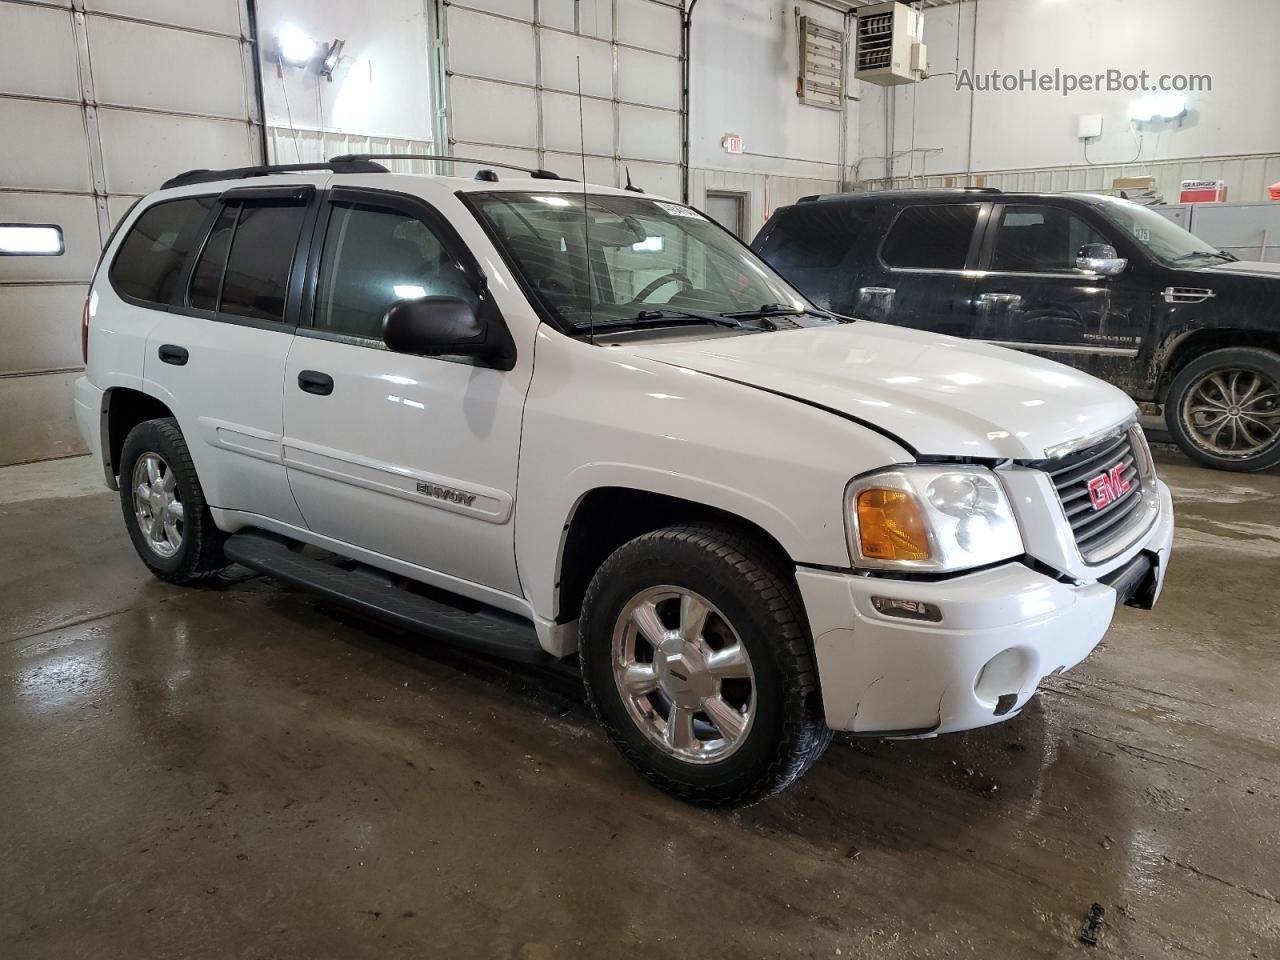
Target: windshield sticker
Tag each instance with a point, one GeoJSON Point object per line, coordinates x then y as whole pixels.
{"type": "Point", "coordinates": [678, 210]}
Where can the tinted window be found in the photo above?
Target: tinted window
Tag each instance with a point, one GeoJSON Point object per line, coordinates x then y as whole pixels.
{"type": "Point", "coordinates": [1040, 240]}
{"type": "Point", "coordinates": [374, 257]}
{"type": "Point", "coordinates": [932, 238]}
{"type": "Point", "coordinates": [815, 235]}
{"type": "Point", "coordinates": [153, 251]}
{"type": "Point", "coordinates": [244, 268]}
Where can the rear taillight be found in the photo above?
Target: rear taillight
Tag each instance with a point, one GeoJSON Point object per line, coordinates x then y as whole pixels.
{"type": "Point", "coordinates": [84, 332]}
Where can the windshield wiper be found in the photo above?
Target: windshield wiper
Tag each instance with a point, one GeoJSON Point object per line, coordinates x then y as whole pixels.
{"type": "Point", "coordinates": [776, 310]}
{"type": "Point", "coordinates": [1220, 255]}
{"type": "Point", "coordinates": [646, 318]}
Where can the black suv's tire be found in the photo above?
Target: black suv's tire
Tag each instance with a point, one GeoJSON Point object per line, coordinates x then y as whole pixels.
{"type": "Point", "coordinates": [752, 600]}
{"type": "Point", "coordinates": [178, 545]}
{"type": "Point", "coordinates": [1223, 409]}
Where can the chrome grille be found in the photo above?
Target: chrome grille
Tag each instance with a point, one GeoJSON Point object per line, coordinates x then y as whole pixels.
{"type": "Point", "coordinates": [1096, 530]}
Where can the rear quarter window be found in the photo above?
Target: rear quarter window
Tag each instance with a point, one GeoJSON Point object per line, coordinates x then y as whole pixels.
{"type": "Point", "coordinates": [149, 263]}
{"type": "Point", "coordinates": [814, 236]}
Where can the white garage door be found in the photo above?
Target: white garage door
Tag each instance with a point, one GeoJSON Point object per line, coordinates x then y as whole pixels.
{"type": "Point", "coordinates": [513, 82]}
{"type": "Point", "coordinates": [100, 101]}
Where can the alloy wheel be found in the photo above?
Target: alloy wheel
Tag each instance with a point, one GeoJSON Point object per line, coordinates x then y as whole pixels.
{"type": "Point", "coordinates": [683, 674]}
{"type": "Point", "coordinates": [1233, 413]}
{"type": "Point", "coordinates": [157, 504]}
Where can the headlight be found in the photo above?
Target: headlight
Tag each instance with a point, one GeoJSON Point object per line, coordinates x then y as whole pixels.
{"type": "Point", "coordinates": [930, 518]}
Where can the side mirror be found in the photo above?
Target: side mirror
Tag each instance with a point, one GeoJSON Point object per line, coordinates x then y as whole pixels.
{"type": "Point", "coordinates": [1102, 259]}
{"type": "Point", "coordinates": [432, 326]}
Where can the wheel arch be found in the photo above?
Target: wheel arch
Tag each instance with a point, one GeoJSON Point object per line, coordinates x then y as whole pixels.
{"type": "Point", "coordinates": [606, 517]}
{"type": "Point", "coordinates": [123, 408]}
{"type": "Point", "coordinates": [1186, 347]}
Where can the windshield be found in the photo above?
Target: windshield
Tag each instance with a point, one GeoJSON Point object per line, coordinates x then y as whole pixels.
{"type": "Point", "coordinates": [1167, 241]}
{"type": "Point", "coordinates": [633, 261]}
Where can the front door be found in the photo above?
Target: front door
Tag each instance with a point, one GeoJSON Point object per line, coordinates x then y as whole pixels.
{"type": "Point", "coordinates": [410, 457]}
{"type": "Point", "coordinates": [1030, 295]}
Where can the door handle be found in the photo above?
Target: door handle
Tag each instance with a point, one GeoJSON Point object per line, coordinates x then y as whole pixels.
{"type": "Point", "coordinates": [313, 381]}
{"type": "Point", "coordinates": [877, 291]}
{"type": "Point", "coordinates": [169, 353]}
{"type": "Point", "coordinates": [1008, 299]}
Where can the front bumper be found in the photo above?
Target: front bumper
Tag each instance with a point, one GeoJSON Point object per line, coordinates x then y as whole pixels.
{"type": "Point", "coordinates": [1002, 631]}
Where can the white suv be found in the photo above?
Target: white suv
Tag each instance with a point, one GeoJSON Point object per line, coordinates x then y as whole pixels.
{"type": "Point", "coordinates": [533, 417]}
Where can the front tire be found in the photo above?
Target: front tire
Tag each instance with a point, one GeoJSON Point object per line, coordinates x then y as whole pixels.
{"type": "Point", "coordinates": [697, 662]}
{"type": "Point", "coordinates": [164, 507]}
{"type": "Point", "coordinates": [1223, 409]}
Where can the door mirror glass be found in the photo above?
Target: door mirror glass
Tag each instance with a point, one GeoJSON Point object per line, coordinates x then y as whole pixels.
{"type": "Point", "coordinates": [1102, 259]}
{"type": "Point", "coordinates": [435, 326]}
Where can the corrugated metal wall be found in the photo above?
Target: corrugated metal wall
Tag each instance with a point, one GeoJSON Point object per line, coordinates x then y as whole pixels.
{"type": "Point", "coordinates": [764, 193]}
{"type": "Point", "coordinates": [1247, 178]}
{"type": "Point", "coordinates": [93, 116]}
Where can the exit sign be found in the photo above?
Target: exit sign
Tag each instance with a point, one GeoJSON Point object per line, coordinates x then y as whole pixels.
{"type": "Point", "coordinates": [732, 143]}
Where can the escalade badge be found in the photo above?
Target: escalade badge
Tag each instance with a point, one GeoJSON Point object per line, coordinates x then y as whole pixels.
{"type": "Point", "coordinates": [438, 492]}
{"type": "Point", "coordinates": [1108, 487]}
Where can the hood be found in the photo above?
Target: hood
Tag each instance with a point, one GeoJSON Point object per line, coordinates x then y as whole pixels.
{"type": "Point", "coordinates": [938, 394]}
{"type": "Point", "coordinates": [1252, 268]}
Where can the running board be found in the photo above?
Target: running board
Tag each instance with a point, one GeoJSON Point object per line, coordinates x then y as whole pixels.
{"type": "Point", "coordinates": [489, 631]}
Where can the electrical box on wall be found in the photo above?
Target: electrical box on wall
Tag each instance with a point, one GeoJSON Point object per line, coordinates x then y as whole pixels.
{"type": "Point", "coordinates": [821, 65]}
{"type": "Point", "coordinates": [1089, 126]}
{"type": "Point", "coordinates": [891, 47]}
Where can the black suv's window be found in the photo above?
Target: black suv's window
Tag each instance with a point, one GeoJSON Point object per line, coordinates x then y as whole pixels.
{"type": "Point", "coordinates": [153, 251]}
{"type": "Point", "coordinates": [815, 236]}
{"type": "Point", "coordinates": [372, 258]}
{"type": "Point", "coordinates": [1040, 240]}
{"type": "Point", "coordinates": [932, 238]}
{"type": "Point", "coordinates": [245, 265]}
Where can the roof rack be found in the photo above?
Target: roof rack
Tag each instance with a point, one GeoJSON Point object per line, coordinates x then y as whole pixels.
{"type": "Point", "coordinates": [336, 165]}
{"type": "Point", "coordinates": [536, 172]}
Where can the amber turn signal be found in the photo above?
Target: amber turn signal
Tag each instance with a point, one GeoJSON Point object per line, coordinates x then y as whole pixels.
{"type": "Point", "coordinates": [891, 526]}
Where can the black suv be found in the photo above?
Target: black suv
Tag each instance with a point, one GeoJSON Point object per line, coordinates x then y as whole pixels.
{"type": "Point", "coordinates": [1103, 284]}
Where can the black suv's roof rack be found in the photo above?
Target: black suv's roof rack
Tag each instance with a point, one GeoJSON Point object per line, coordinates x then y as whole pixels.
{"type": "Point", "coordinates": [336, 165]}
{"type": "Point", "coordinates": [536, 172]}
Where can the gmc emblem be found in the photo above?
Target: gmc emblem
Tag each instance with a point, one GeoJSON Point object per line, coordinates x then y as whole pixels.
{"type": "Point", "coordinates": [1108, 487]}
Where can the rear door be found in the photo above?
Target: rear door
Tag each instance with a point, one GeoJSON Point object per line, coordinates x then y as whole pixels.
{"type": "Point", "coordinates": [924, 281]}
{"type": "Point", "coordinates": [409, 457]}
{"type": "Point", "coordinates": [1030, 295]}
{"type": "Point", "coordinates": [217, 356]}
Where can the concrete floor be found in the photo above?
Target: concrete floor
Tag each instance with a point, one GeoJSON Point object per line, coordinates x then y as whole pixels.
{"type": "Point", "coordinates": [243, 772]}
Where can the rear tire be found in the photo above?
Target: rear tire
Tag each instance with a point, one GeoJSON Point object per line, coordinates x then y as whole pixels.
{"type": "Point", "coordinates": [734, 669]}
{"type": "Point", "coordinates": [164, 507]}
{"type": "Point", "coordinates": [1223, 409]}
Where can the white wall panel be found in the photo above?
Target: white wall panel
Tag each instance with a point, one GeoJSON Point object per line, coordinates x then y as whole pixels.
{"type": "Point", "coordinates": [219, 16]}
{"type": "Point", "coordinates": [137, 65]}
{"type": "Point", "coordinates": [52, 132]}
{"type": "Point", "coordinates": [648, 78]}
{"type": "Point", "coordinates": [38, 53]}
{"type": "Point", "coordinates": [590, 18]}
{"type": "Point", "coordinates": [491, 47]}
{"type": "Point", "coordinates": [649, 134]}
{"type": "Point", "coordinates": [654, 26]}
{"type": "Point", "coordinates": [141, 150]}
{"type": "Point", "coordinates": [599, 169]}
{"type": "Point", "coordinates": [519, 9]}
{"type": "Point", "coordinates": [519, 158]}
{"type": "Point", "coordinates": [40, 326]}
{"type": "Point", "coordinates": [560, 125]}
{"type": "Point", "coordinates": [660, 179]}
{"type": "Point", "coordinates": [497, 113]}
{"type": "Point", "coordinates": [560, 65]}
{"type": "Point", "coordinates": [78, 217]}
{"type": "Point", "coordinates": [35, 418]}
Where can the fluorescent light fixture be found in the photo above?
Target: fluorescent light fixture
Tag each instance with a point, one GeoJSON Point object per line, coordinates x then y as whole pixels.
{"type": "Point", "coordinates": [648, 245]}
{"type": "Point", "coordinates": [409, 291]}
{"type": "Point", "coordinates": [295, 47]}
{"type": "Point", "coordinates": [30, 240]}
{"type": "Point", "coordinates": [1161, 106]}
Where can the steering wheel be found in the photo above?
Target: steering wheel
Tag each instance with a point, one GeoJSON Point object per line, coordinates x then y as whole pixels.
{"type": "Point", "coordinates": [652, 285]}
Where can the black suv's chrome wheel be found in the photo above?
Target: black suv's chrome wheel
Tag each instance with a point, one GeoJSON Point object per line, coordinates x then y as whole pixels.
{"type": "Point", "coordinates": [1224, 409]}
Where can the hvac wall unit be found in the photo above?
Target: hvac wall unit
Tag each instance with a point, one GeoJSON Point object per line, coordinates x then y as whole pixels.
{"type": "Point", "coordinates": [821, 65]}
{"type": "Point", "coordinates": [891, 49]}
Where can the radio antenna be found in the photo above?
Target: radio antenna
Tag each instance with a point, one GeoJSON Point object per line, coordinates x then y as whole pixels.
{"type": "Point", "coordinates": [586, 219]}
